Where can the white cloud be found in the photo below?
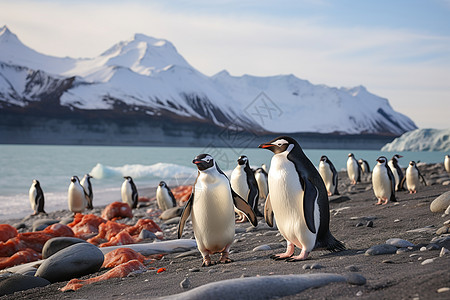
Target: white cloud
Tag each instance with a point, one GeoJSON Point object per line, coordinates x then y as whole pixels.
{"type": "Point", "coordinates": [393, 63]}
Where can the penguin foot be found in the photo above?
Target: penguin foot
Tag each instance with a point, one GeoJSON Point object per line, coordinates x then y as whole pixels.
{"type": "Point", "coordinates": [303, 256]}
{"type": "Point", "coordinates": [225, 260]}
{"type": "Point", "coordinates": [208, 263]}
{"type": "Point", "coordinates": [280, 256]}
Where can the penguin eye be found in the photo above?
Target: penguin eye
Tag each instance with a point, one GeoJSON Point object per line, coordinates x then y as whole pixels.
{"type": "Point", "coordinates": [280, 143]}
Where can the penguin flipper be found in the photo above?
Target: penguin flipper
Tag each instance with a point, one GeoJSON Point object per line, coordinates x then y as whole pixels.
{"type": "Point", "coordinates": [310, 196]}
{"type": "Point", "coordinates": [268, 212]}
{"type": "Point", "coordinates": [423, 179]}
{"type": "Point", "coordinates": [243, 206]}
{"type": "Point", "coordinates": [174, 201]}
{"type": "Point", "coordinates": [40, 204]}
{"type": "Point", "coordinates": [402, 183]}
{"type": "Point", "coordinates": [185, 214]}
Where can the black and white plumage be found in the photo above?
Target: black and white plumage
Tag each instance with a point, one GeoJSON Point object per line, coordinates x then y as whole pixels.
{"type": "Point", "coordinates": [211, 207]}
{"type": "Point", "coordinates": [77, 197]}
{"type": "Point", "coordinates": [412, 178]}
{"type": "Point", "coordinates": [129, 192]}
{"type": "Point", "coordinates": [447, 163]}
{"type": "Point", "coordinates": [329, 175]}
{"type": "Point", "coordinates": [353, 169]}
{"type": "Point", "coordinates": [298, 200]}
{"type": "Point", "coordinates": [86, 184]}
{"type": "Point", "coordinates": [164, 197]}
{"type": "Point", "coordinates": [243, 182]}
{"type": "Point", "coordinates": [397, 171]}
{"type": "Point", "coordinates": [365, 167]}
{"type": "Point", "coordinates": [383, 182]}
{"type": "Point", "coordinates": [261, 177]}
{"type": "Point", "coordinates": [36, 196]}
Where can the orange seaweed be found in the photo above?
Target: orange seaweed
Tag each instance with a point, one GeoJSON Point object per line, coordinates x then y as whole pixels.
{"type": "Point", "coordinates": [7, 232]}
{"type": "Point", "coordinates": [107, 231]}
{"type": "Point", "coordinates": [84, 226]}
{"type": "Point", "coordinates": [20, 257]}
{"type": "Point", "coordinates": [117, 210]}
{"type": "Point", "coordinates": [122, 238]}
{"type": "Point", "coordinates": [120, 256]}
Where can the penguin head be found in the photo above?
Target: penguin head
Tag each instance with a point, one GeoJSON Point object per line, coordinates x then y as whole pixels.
{"type": "Point", "coordinates": [75, 179]}
{"type": "Point", "coordinates": [35, 182]}
{"type": "Point", "coordinates": [128, 178]}
{"type": "Point", "coordinates": [162, 184]}
{"type": "Point", "coordinates": [242, 160]}
{"type": "Point", "coordinates": [324, 158]}
{"type": "Point", "coordinates": [382, 160]}
{"type": "Point", "coordinates": [280, 144]}
{"type": "Point", "coordinates": [88, 176]}
{"type": "Point", "coordinates": [203, 161]}
{"type": "Point", "coordinates": [351, 155]}
{"type": "Point", "coordinates": [396, 157]}
{"type": "Point", "coordinates": [412, 163]}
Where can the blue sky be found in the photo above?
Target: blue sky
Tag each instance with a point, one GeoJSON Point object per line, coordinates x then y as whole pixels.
{"type": "Point", "coordinates": [399, 50]}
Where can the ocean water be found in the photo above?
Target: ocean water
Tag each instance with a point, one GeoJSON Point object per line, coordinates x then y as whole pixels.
{"type": "Point", "coordinates": [53, 166]}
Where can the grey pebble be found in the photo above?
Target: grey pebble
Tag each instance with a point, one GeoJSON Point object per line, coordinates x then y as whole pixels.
{"type": "Point", "coordinates": [171, 213]}
{"type": "Point", "coordinates": [355, 279]}
{"type": "Point", "coordinates": [194, 270]}
{"type": "Point", "coordinates": [56, 244]}
{"type": "Point", "coordinates": [399, 243]}
{"type": "Point", "coordinates": [402, 250]}
{"type": "Point", "coordinates": [388, 261]}
{"type": "Point", "coordinates": [262, 248]}
{"type": "Point", "coordinates": [443, 230]}
{"type": "Point", "coordinates": [194, 252]}
{"type": "Point", "coordinates": [16, 283]}
{"type": "Point", "coordinates": [441, 203]}
{"type": "Point", "coordinates": [41, 224]}
{"type": "Point", "coordinates": [427, 261]}
{"type": "Point", "coordinates": [172, 221]}
{"type": "Point", "coordinates": [369, 224]}
{"type": "Point", "coordinates": [433, 247]}
{"type": "Point", "coordinates": [147, 235]}
{"type": "Point", "coordinates": [381, 249]}
{"type": "Point", "coordinates": [444, 251]}
{"type": "Point", "coordinates": [352, 268]}
{"type": "Point", "coordinates": [316, 266]}
{"type": "Point", "coordinates": [185, 284]}
{"type": "Point", "coordinates": [359, 224]}
{"type": "Point", "coordinates": [306, 267]}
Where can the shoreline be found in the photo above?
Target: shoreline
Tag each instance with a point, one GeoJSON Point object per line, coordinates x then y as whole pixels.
{"type": "Point", "coordinates": [388, 276]}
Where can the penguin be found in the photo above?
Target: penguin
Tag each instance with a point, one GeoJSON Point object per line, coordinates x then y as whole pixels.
{"type": "Point", "coordinates": [397, 171]}
{"type": "Point", "coordinates": [329, 175]}
{"type": "Point", "coordinates": [77, 197]}
{"type": "Point", "coordinates": [365, 168]}
{"type": "Point", "coordinates": [264, 167]}
{"type": "Point", "coordinates": [383, 182]}
{"type": "Point", "coordinates": [164, 197]}
{"type": "Point", "coordinates": [412, 178]}
{"type": "Point", "coordinates": [129, 192]}
{"type": "Point", "coordinates": [211, 206]}
{"type": "Point", "coordinates": [298, 200]}
{"type": "Point", "coordinates": [86, 184]}
{"type": "Point", "coordinates": [263, 185]}
{"type": "Point", "coordinates": [447, 163]}
{"type": "Point", "coordinates": [36, 196]}
{"type": "Point", "coordinates": [353, 169]}
{"type": "Point", "coordinates": [243, 182]}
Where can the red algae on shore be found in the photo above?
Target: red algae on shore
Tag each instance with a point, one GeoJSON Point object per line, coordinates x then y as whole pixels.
{"type": "Point", "coordinates": [120, 256]}
{"type": "Point", "coordinates": [117, 210]}
{"type": "Point", "coordinates": [119, 271]}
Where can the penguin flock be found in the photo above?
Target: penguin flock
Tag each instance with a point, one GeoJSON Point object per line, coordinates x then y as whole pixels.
{"type": "Point", "coordinates": [295, 195]}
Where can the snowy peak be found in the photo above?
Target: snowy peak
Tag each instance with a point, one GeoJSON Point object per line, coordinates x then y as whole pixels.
{"type": "Point", "coordinates": [6, 36]}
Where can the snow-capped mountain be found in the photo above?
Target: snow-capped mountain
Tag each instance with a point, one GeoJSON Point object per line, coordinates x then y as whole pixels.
{"type": "Point", "coordinates": [148, 76]}
{"type": "Point", "coordinates": [425, 139]}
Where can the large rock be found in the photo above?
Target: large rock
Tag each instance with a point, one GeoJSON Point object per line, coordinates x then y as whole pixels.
{"type": "Point", "coordinates": [18, 283]}
{"type": "Point", "coordinates": [399, 243]}
{"type": "Point", "coordinates": [74, 261]}
{"type": "Point", "coordinates": [41, 224]}
{"type": "Point", "coordinates": [381, 249]}
{"type": "Point", "coordinates": [441, 203]}
{"type": "Point", "coordinates": [171, 213]}
{"type": "Point", "coordinates": [58, 243]}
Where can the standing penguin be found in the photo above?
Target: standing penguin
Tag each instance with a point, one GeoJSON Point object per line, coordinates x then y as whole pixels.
{"type": "Point", "coordinates": [412, 178]}
{"type": "Point", "coordinates": [263, 185]}
{"type": "Point", "coordinates": [365, 168]}
{"type": "Point", "coordinates": [86, 184]}
{"type": "Point", "coordinates": [36, 196]}
{"type": "Point", "coordinates": [129, 192]}
{"type": "Point", "coordinates": [77, 197]}
{"type": "Point", "coordinates": [447, 163]}
{"type": "Point", "coordinates": [164, 197]}
{"type": "Point", "coordinates": [383, 182]}
{"type": "Point", "coordinates": [329, 175]}
{"type": "Point", "coordinates": [212, 212]}
{"type": "Point", "coordinates": [298, 200]}
{"type": "Point", "coordinates": [353, 169]}
{"type": "Point", "coordinates": [243, 182]}
{"type": "Point", "coordinates": [397, 171]}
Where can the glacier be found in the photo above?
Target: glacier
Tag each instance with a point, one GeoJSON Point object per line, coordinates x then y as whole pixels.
{"type": "Point", "coordinates": [424, 139]}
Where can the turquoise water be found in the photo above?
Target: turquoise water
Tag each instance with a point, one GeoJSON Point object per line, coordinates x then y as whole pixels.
{"type": "Point", "coordinates": [53, 166]}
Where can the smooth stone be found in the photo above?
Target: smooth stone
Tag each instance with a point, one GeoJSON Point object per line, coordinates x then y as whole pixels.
{"type": "Point", "coordinates": [369, 224]}
{"type": "Point", "coordinates": [306, 267]}
{"type": "Point", "coordinates": [432, 247]}
{"type": "Point", "coordinates": [443, 230]}
{"type": "Point", "coordinates": [19, 225]}
{"type": "Point", "coordinates": [443, 290]}
{"type": "Point", "coordinates": [186, 283]}
{"type": "Point", "coordinates": [194, 252]}
{"type": "Point", "coordinates": [402, 250]}
{"type": "Point", "coordinates": [71, 262]}
{"type": "Point", "coordinates": [422, 249]}
{"type": "Point", "coordinates": [427, 261]}
{"type": "Point", "coordinates": [66, 220]}
{"type": "Point", "coordinates": [359, 224]}
{"type": "Point", "coordinates": [41, 224]}
{"type": "Point", "coordinates": [355, 279]}
{"type": "Point", "coordinates": [352, 268]}
{"type": "Point", "coordinates": [422, 230]}
{"type": "Point", "coordinates": [399, 243]}
{"type": "Point", "coordinates": [381, 249]}
{"type": "Point", "coordinates": [444, 251]}
{"type": "Point", "coordinates": [239, 230]}
{"type": "Point", "coordinates": [388, 261]}
{"type": "Point", "coordinates": [171, 213]}
{"type": "Point", "coordinates": [316, 266]}
{"type": "Point", "coordinates": [397, 220]}
{"type": "Point", "coordinates": [194, 270]}
{"type": "Point", "coordinates": [441, 203]}
{"type": "Point", "coordinates": [146, 235]}
{"type": "Point", "coordinates": [263, 287]}
{"type": "Point", "coordinates": [20, 282]}
{"type": "Point", "coordinates": [447, 211]}
{"type": "Point", "coordinates": [56, 244]}
{"type": "Point", "coordinates": [172, 221]}
{"type": "Point", "coordinates": [262, 248]}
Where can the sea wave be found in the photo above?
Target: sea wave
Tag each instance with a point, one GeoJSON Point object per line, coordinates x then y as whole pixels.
{"type": "Point", "coordinates": [155, 171]}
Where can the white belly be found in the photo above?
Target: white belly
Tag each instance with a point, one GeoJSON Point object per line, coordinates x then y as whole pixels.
{"type": "Point", "coordinates": [212, 213]}
{"type": "Point", "coordinates": [262, 185]}
{"type": "Point", "coordinates": [76, 198]}
{"type": "Point", "coordinates": [163, 199]}
{"type": "Point", "coordinates": [447, 164]}
{"type": "Point", "coordinates": [327, 176]}
{"type": "Point", "coordinates": [412, 179]}
{"type": "Point", "coordinates": [238, 182]}
{"type": "Point", "coordinates": [352, 169]}
{"type": "Point", "coordinates": [381, 183]}
{"type": "Point", "coordinates": [286, 197]}
{"type": "Point", "coordinates": [32, 195]}
{"type": "Point", "coordinates": [126, 193]}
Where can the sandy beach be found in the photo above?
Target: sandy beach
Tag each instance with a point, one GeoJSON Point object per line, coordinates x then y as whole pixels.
{"type": "Point", "coordinates": [355, 220]}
